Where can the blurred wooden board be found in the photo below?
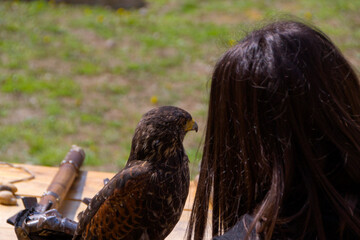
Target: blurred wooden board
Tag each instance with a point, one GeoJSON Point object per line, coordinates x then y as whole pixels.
{"type": "Point", "coordinates": [87, 184]}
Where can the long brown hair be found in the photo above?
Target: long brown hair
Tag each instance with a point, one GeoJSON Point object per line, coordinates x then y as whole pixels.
{"type": "Point", "coordinates": [282, 140]}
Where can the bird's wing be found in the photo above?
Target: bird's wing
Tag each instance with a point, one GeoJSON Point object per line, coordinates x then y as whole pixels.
{"type": "Point", "coordinates": [118, 205]}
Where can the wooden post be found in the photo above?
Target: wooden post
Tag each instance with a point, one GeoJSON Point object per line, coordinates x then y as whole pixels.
{"type": "Point", "coordinates": [61, 183]}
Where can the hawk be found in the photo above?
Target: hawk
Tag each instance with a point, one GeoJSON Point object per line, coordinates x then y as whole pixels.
{"type": "Point", "coordinates": [146, 198]}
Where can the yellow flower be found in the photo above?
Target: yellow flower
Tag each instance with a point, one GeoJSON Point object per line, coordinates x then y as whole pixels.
{"type": "Point", "coordinates": [46, 39]}
{"type": "Point", "coordinates": [100, 18]}
{"type": "Point", "coordinates": [308, 16]}
{"type": "Point", "coordinates": [122, 11]}
{"type": "Point", "coordinates": [78, 102]}
{"type": "Point", "coordinates": [154, 100]}
{"type": "Point", "coordinates": [87, 11]}
{"type": "Point", "coordinates": [232, 42]}
{"type": "Point", "coordinates": [94, 148]}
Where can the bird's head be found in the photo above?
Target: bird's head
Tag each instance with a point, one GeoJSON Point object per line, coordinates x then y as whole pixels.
{"type": "Point", "coordinates": [161, 129]}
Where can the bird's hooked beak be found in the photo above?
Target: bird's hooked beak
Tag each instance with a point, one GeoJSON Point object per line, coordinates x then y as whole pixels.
{"type": "Point", "coordinates": [191, 125]}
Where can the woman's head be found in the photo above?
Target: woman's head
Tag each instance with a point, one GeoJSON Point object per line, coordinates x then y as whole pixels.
{"type": "Point", "coordinates": [283, 124]}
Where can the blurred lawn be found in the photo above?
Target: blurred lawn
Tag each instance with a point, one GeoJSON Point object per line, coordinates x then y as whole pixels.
{"type": "Point", "coordinates": [84, 75]}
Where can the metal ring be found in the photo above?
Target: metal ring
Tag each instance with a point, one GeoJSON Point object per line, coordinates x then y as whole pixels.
{"type": "Point", "coordinates": [70, 162]}
{"type": "Point", "coordinates": [57, 197]}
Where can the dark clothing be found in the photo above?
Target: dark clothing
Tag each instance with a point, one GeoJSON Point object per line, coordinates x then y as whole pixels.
{"type": "Point", "coordinates": [331, 226]}
{"type": "Point", "coordinates": [240, 230]}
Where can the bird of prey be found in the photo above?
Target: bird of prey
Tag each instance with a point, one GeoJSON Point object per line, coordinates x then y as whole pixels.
{"type": "Point", "coordinates": [145, 199]}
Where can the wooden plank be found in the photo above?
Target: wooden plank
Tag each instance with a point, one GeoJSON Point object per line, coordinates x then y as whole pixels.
{"type": "Point", "coordinates": [34, 187]}
{"type": "Point", "coordinates": [8, 211]}
{"type": "Point", "coordinates": [87, 184]}
{"type": "Point", "coordinates": [180, 229]}
{"type": "Point", "coordinates": [7, 234]}
{"type": "Point", "coordinates": [71, 209]}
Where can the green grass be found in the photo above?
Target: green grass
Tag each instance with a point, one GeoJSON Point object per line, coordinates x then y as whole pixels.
{"type": "Point", "coordinates": [85, 75]}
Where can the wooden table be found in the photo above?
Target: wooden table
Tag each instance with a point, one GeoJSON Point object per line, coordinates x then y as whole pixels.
{"type": "Point", "coordinates": [87, 184]}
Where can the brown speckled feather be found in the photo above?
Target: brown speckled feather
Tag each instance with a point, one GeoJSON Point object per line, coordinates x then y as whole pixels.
{"type": "Point", "coordinates": [117, 206]}
{"type": "Point", "coordinates": [145, 199]}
